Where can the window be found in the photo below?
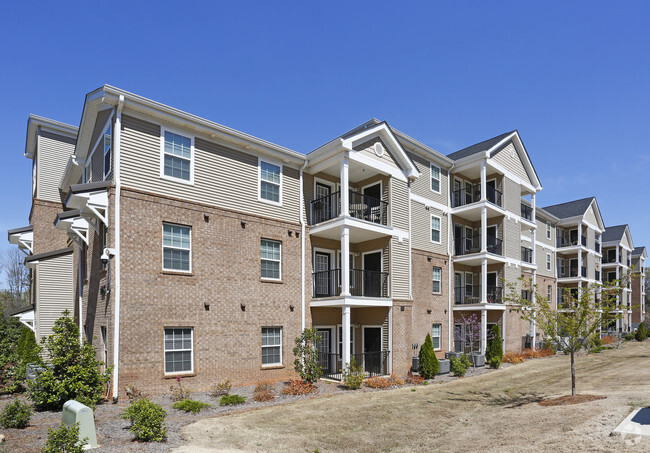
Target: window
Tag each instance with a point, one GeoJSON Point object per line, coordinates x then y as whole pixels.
{"type": "Point", "coordinates": [271, 345]}
{"type": "Point", "coordinates": [107, 150]}
{"type": "Point", "coordinates": [270, 179]}
{"type": "Point", "coordinates": [548, 261]}
{"type": "Point", "coordinates": [548, 230]}
{"type": "Point", "coordinates": [435, 335]}
{"type": "Point", "coordinates": [435, 178]}
{"type": "Point", "coordinates": [177, 248]}
{"type": "Point", "coordinates": [549, 291]}
{"type": "Point", "coordinates": [435, 229]}
{"type": "Point", "coordinates": [271, 253]}
{"type": "Point", "coordinates": [437, 278]}
{"type": "Point", "coordinates": [178, 350]}
{"type": "Point", "coordinates": [177, 157]}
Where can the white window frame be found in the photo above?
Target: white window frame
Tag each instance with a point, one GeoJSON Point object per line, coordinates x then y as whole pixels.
{"type": "Point", "coordinates": [279, 261]}
{"type": "Point", "coordinates": [162, 251]}
{"type": "Point", "coordinates": [100, 139]}
{"type": "Point", "coordinates": [549, 290]}
{"type": "Point", "coordinates": [431, 166]}
{"type": "Point", "coordinates": [439, 348]}
{"type": "Point", "coordinates": [272, 346]}
{"type": "Point", "coordinates": [548, 230]}
{"type": "Point", "coordinates": [175, 373]}
{"type": "Point", "coordinates": [162, 156]}
{"type": "Point", "coordinates": [439, 281]}
{"type": "Point", "coordinates": [439, 229]}
{"type": "Point", "coordinates": [259, 181]}
{"type": "Point", "coordinates": [549, 266]}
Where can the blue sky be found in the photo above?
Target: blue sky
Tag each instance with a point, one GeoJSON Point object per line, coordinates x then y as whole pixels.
{"type": "Point", "coordinates": [572, 77]}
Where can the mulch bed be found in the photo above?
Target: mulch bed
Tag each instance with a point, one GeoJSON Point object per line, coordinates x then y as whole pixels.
{"type": "Point", "coordinates": [570, 399]}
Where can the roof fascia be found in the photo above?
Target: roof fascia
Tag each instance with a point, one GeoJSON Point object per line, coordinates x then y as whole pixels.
{"type": "Point", "coordinates": [424, 150]}
{"type": "Point", "coordinates": [523, 152]}
{"type": "Point", "coordinates": [46, 124]}
{"type": "Point", "coordinates": [599, 217]}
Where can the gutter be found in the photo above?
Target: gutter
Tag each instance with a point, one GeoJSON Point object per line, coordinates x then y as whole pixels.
{"type": "Point", "coordinates": [117, 131]}
{"type": "Point", "coordinates": [302, 248]}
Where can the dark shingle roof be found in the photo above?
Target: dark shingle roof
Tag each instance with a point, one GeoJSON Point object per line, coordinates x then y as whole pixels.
{"type": "Point", "coordinates": [570, 208]}
{"type": "Point", "coordinates": [614, 233]}
{"type": "Point", "coordinates": [479, 147]}
{"type": "Point", "coordinates": [638, 251]}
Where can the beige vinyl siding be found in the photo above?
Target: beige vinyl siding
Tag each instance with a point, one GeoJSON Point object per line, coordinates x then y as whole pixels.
{"type": "Point", "coordinates": [590, 215]}
{"type": "Point", "coordinates": [223, 177]}
{"type": "Point", "coordinates": [308, 194]}
{"type": "Point", "coordinates": [511, 274]}
{"type": "Point", "coordinates": [399, 204]}
{"type": "Point", "coordinates": [541, 232]}
{"type": "Point", "coordinates": [510, 234]}
{"type": "Point", "coordinates": [512, 164]}
{"type": "Point", "coordinates": [421, 229]}
{"type": "Point", "coordinates": [367, 150]}
{"type": "Point", "coordinates": [399, 268]}
{"type": "Point", "coordinates": [540, 260]}
{"type": "Point", "coordinates": [511, 196]}
{"type": "Point", "coordinates": [422, 185]}
{"type": "Point", "coordinates": [591, 265]}
{"type": "Point", "coordinates": [55, 292]}
{"type": "Point", "coordinates": [102, 117]}
{"type": "Point", "coordinates": [52, 157]}
{"type": "Point", "coordinates": [626, 242]}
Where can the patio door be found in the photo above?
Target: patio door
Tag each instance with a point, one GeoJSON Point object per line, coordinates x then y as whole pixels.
{"type": "Point", "coordinates": [372, 350]}
{"type": "Point", "coordinates": [492, 296]}
{"type": "Point", "coordinates": [324, 347]}
{"type": "Point", "coordinates": [458, 239]}
{"type": "Point", "coordinates": [326, 206]}
{"type": "Point", "coordinates": [372, 277]}
{"type": "Point", "coordinates": [459, 294]}
{"type": "Point", "coordinates": [372, 198]}
{"type": "Point", "coordinates": [323, 281]}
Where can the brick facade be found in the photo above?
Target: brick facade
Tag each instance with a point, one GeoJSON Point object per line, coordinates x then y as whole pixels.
{"type": "Point", "coordinates": [46, 237]}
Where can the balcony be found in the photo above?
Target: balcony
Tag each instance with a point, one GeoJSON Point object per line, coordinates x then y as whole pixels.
{"type": "Point", "coordinates": [472, 194]}
{"type": "Point", "coordinates": [469, 245]}
{"type": "Point", "coordinates": [527, 212]}
{"type": "Point", "coordinates": [571, 272]}
{"type": "Point", "coordinates": [527, 255]}
{"type": "Point", "coordinates": [527, 294]}
{"type": "Point", "coordinates": [363, 283]}
{"type": "Point", "coordinates": [373, 364]}
{"type": "Point", "coordinates": [361, 207]}
{"type": "Point", "coordinates": [467, 295]}
{"type": "Point", "coordinates": [611, 258]}
{"type": "Point", "coordinates": [561, 241]}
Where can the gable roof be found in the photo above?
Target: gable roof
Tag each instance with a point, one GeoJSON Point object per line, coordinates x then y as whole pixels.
{"type": "Point", "coordinates": [570, 208]}
{"type": "Point", "coordinates": [479, 147]}
{"type": "Point", "coordinates": [638, 250]}
{"type": "Point", "coordinates": [614, 233]}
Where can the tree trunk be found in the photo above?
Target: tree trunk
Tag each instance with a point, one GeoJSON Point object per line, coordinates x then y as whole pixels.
{"type": "Point", "coordinates": [573, 375]}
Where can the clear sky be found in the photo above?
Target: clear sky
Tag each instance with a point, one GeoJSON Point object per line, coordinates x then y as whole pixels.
{"type": "Point", "coordinates": [572, 77]}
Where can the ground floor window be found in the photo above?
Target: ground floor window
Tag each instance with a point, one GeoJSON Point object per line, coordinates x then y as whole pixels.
{"type": "Point", "coordinates": [179, 350]}
{"type": "Point", "coordinates": [271, 345]}
{"type": "Point", "coordinates": [435, 335]}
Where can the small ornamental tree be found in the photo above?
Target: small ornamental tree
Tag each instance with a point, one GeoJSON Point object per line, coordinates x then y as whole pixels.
{"type": "Point", "coordinates": [641, 333]}
{"type": "Point", "coordinates": [429, 365]}
{"type": "Point", "coordinates": [72, 372]}
{"type": "Point", "coordinates": [306, 352]}
{"type": "Point", "coordinates": [494, 351]}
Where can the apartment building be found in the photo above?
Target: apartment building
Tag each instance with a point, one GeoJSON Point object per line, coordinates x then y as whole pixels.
{"type": "Point", "coordinates": [200, 251]}
{"type": "Point", "coordinates": [639, 257]}
{"type": "Point", "coordinates": [617, 261]}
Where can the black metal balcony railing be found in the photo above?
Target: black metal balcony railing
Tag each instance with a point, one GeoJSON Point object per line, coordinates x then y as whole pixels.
{"type": "Point", "coordinates": [472, 244]}
{"type": "Point", "coordinates": [562, 241]}
{"type": "Point", "coordinates": [608, 258]}
{"type": "Point", "coordinates": [527, 294]}
{"type": "Point", "coordinates": [363, 283]}
{"type": "Point", "coordinates": [472, 194]}
{"type": "Point", "coordinates": [571, 272]}
{"type": "Point", "coordinates": [471, 294]}
{"type": "Point", "coordinates": [373, 364]}
{"type": "Point", "coordinates": [526, 212]}
{"type": "Point", "coordinates": [526, 255]}
{"type": "Point", "coordinates": [360, 207]}
{"type": "Point", "coordinates": [566, 297]}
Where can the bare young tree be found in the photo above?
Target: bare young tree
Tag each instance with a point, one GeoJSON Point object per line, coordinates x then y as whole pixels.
{"type": "Point", "coordinates": [12, 264]}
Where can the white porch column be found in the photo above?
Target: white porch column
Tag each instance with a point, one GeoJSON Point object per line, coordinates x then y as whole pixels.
{"type": "Point", "coordinates": [533, 294]}
{"type": "Point", "coordinates": [532, 203]}
{"type": "Point", "coordinates": [345, 186]}
{"type": "Point", "coordinates": [483, 331]}
{"type": "Point", "coordinates": [345, 261]}
{"type": "Point", "coordinates": [390, 340]}
{"type": "Point", "coordinates": [483, 181]}
{"type": "Point", "coordinates": [484, 280]}
{"type": "Point", "coordinates": [580, 251]}
{"type": "Point", "coordinates": [345, 341]}
{"type": "Point", "coordinates": [503, 330]}
{"type": "Point", "coordinates": [484, 229]}
{"type": "Point", "coordinates": [533, 235]}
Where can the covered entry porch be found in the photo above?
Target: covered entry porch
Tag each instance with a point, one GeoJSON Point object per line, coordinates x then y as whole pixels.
{"type": "Point", "coordinates": [367, 339]}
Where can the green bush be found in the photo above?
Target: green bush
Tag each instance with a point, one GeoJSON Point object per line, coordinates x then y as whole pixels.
{"type": "Point", "coordinates": [147, 420]}
{"type": "Point", "coordinates": [353, 375]}
{"type": "Point", "coordinates": [190, 406]}
{"type": "Point", "coordinates": [73, 373]}
{"type": "Point", "coordinates": [629, 337]}
{"type": "Point", "coordinates": [15, 415]}
{"type": "Point", "coordinates": [549, 345]}
{"type": "Point", "coordinates": [429, 365]}
{"type": "Point", "coordinates": [306, 361]}
{"type": "Point", "coordinates": [10, 376]}
{"type": "Point", "coordinates": [459, 365]}
{"type": "Point", "coordinates": [64, 440]}
{"type": "Point", "coordinates": [641, 333]}
{"type": "Point", "coordinates": [231, 400]}
{"type": "Point", "coordinates": [494, 351]}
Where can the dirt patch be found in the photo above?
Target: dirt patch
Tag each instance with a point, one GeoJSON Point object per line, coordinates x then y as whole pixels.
{"type": "Point", "coordinates": [570, 399]}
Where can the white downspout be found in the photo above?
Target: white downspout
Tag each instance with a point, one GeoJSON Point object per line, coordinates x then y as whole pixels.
{"type": "Point", "coordinates": [302, 248]}
{"type": "Point", "coordinates": [450, 277]}
{"type": "Point", "coordinates": [117, 132]}
{"type": "Point", "coordinates": [80, 288]}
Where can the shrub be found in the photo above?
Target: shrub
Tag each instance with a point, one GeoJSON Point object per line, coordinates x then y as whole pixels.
{"type": "Point", "coordinates": [133, 393]}
{"type": "Point", "coordinates": [179, 393]}
{"type": "Point", "coordinates": [396, 379]}
{"type": "Point", "coordinates": [414, 379]}
{"type": "Point", "coordinates": [608, 339]}
{"type": "Point", "coordinates": [379, 382]}
{"type": "Point", "coordinates": [429, 365]}
{"type": "Point", "coordinates": [596, 341]}
{"type": "Point", "coordinates": [298, 387]}
{"type": "Point", "coordinates": [353, 375]}
{"type": "Point", "coordinates": [641, 334]}
{"type": "Point", "coordinates": [231, 400]}
{"type": "Point", "coordinates": [459, 365]}
{"type": "Point", "coordinates": [64, 439]}
{"type": "Point", "coordinates": [494, 351]}
{"type": "Point", "coordinates": [147, 420]}
{"type": "Point", "coordinates": [222, 388]}
{"type": "Point", "coordinates": [15, 415]}
{"type": "Point", "coordinates": [629, 337]}
{"type": "Point", "coordinates": [9, 381]}
{"type": "Point", "coordinates": [548, 345]}
{"type": "Point", "coordinates": [263, 392]}
{"type": "Point", "coordinates": [74, 373]}
{"type": "Point", "coordinates": [514, 357]}
{"type": "Point", "coordinates": [190, 406]}
{"type": "Point", "coordinates": [306, 356]}
{"type": "Point", "coordinates": [10, 331]}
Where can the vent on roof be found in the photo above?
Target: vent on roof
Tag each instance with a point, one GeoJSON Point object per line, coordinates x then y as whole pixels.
{"type": "Point", "coordinates": [379, 149]}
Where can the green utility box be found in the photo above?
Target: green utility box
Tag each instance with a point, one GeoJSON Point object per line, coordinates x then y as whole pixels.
{"type": "Point", "coordinates": [75, 412]}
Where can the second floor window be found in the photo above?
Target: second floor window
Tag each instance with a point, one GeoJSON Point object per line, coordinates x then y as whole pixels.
{"type": "Point", "coordinates": [177, 247]}
{"type": "Point", "coordinates": [435, 178]}
{"type": "Point", "coordinates": [177, 157]}
{"type": "Point", "coordinates": [548, 230]}
{"type": "Point", "coordinates": [435, 229]}
{"type": "Point", "coordinates": [437, 280]}
{"type": "Point", "coordinates": [271, 254]}
{"type": "Point", "coordinates": [270, 179]}
{"type": "Point", "coordinates": [107, 150]}
{"type": "Point", "coordinates": [548, 261]}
